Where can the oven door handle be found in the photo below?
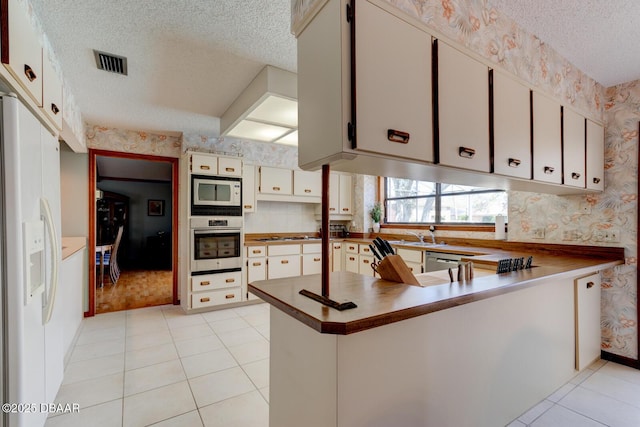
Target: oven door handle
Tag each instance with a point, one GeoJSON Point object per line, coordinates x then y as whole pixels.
{"type": "Point", "coordinates": [216, 230]}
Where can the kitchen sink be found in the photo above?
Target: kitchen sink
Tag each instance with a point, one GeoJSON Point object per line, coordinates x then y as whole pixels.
{"type": "Point", "coordinates": [413, 243]}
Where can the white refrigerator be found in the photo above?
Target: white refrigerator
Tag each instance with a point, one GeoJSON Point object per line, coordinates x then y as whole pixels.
{"type": "Point", "coordinates": [33, 356]}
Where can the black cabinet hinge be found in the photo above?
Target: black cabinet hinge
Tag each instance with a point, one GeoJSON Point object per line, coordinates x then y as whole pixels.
{"type": "Point", "coordinates": [350, 131]}
{"type": "Point", "coordinates": [349, 13]}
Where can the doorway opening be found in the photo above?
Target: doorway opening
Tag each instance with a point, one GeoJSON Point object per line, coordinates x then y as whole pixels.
{"type": "Point", "coordinates": [134, 215]}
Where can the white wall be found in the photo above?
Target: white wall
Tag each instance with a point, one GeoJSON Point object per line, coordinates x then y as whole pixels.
{"type": "Point", "coordinates": [74, 189]}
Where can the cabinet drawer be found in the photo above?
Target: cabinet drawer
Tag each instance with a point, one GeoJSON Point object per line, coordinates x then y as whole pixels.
{"type": "Point", "coordinates": [229, 167]}
{"type": "Point", "coordinates": [351, 248]}
{"type": "Point", "coordinates": [256, 251]}
{"type": "Point", "coordinates": [311, 264]}
{"type": "Point", "coordinates": [204, 165]}
{"type": "Point", "coordinates": [351, 263]}
{"type": "Point", "coordinates": [276, 250]}
{"type": "Point", "coordinates": [365, 250]}
{"type": "Point", "coordinates": [283, 266]}
{"type": "Point", "coordinates": [365, 265]}
{"type": "Point", "coordinates": [216, 281]}
{"type": "Point", "coordinates": [312, 248]}
{"type": "Point", "coordinates": [213, 298]}
{"type": "Point", "coordinates": [410, 256]}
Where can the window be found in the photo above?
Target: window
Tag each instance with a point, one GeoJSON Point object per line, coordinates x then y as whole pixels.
{"type": "Point", "coordinates": [422, 202]}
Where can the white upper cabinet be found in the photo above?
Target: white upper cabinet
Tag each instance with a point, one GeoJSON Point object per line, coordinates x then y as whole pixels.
{"type": "Point", "coordinates": [307, 183]}
{"type": "Point", "coordinates": [595, 156]}
{"type": "Point", "coordinates": [275, 181]}
{"type": "Point", "coordinates": [51, 91]}
{"type": "Point", "coordinates": [512, 127]}
{"type": "Point", "coordinates": [463, 110]}
{"type": "Point", "coordinates": [23, 53]}
{"type": "Point", "coordinates": [229, 166]}
{"type": "Point", "coordinates": [393, 85]}
{"type": "Point", "coordinates": [204, 164]}
{"type": "Point", "coordinates": [573, 128]}
{"type": "Point", "coordinates": [547, 142]}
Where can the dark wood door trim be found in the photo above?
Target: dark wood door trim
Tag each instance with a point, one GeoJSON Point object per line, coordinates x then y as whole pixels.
{"type": "Point", "coordinates": [92, 218]}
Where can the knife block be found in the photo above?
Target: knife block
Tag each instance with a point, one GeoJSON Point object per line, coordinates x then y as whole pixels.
{"type": "Point", "coordinates": [393, 269]}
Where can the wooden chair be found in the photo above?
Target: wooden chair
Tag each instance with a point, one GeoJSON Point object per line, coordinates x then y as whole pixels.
{"type": "Point", "coordinates": [114, 269]}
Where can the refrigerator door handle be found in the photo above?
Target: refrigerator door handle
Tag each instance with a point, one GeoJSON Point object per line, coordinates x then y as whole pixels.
{"type": "Point", "coordinates": [50, 293]}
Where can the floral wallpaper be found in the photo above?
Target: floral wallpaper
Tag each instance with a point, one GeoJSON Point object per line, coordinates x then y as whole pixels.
{"type": "Point", "coordinates": [477, 25]}
{"type": "Point", "coordinates": [140, 142]}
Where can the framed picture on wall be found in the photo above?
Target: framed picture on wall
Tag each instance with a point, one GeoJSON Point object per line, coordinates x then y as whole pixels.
{"type": "Point", "coordinates": [155, 207]}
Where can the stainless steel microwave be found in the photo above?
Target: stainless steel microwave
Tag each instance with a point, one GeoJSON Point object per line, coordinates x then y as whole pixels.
{"type": "Point", "coordinates": [216, 195]}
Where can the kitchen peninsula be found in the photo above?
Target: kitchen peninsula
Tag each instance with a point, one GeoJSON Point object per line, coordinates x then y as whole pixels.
{"type": "Point", "coordinates": [477, 353]}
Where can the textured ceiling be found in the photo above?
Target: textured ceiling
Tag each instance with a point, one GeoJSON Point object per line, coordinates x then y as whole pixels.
{"type": "Point", "coordinates": [189, 59]}
{"type": "Point", "coordinates": [600, 37]}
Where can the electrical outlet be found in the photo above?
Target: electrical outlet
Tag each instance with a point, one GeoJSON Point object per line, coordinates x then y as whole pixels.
{"type": "Point", "coordinates": [571, 235]}
{"type": "Point", "coordinates": [612, 235]}
{"type": "Point", "coordinates": [537, 233]}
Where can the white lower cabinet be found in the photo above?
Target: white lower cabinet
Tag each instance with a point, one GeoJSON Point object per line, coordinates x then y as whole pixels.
{"type": "Point", "coordinates": [588, 330]}
{"type": "Point", "coordinates": [256, 266]}
{"type": "Point", "coordinates": [284, 261]}
{"type": "Point", "coordinates": [337, 263]}
{"type": "Point", "coordinates": [209, 290]}
{"type": "Point", "coordinates": [351, 257]}
{"type": "Point", "coordinates": [311, 258]}
{"type": "Point", "coordinates": [412, 258]}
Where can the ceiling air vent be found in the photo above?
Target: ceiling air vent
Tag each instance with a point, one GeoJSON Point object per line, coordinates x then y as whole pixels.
{"type": "Point", "coordinates": [110, 62]}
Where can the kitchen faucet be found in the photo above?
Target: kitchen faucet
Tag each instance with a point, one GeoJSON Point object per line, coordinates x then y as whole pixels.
{"type": "Point", "coordinates": [420, 236]}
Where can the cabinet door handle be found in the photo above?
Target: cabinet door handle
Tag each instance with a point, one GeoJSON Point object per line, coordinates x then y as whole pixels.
{"type": "Point", "coordinates": [466, 152]}
{"type": "Point", "coordinates": [549, 170]}
{"type": "Point", "coordinates": [276, 188]}
{"type": "Point", "coordinates": [230, 169]}
{"type": "Point", "coordinates": [229, 296]}
{"type": "Point", "coordinates": [306, 190]}
{"type": "Point", "coordinates": [575, 175]}
{"type": "Point", "coordinates": [351, 258]}
{"type": "Point", "coordinates": [345, 209]}
{"type": "Point", "coordinates": [514, 163]}
{"type": "Point", "coordinates": [284, 261]}
{"type": "Point", "coordinates": [366, 250]}
{"type": "Point", "coordinates": [596, 180]}
{"type": "Point", "coordinates": [248, 206]}
{"type": "Point", "coordinates": [28, 71]}
{"type": "Point", "coordinates": [590, 285]}
{"type": "Point", "coordinates": [54, 108]}
{"type": "Point", "coordinates": [365, 261]}
{"type": "Point", "coordinates": [394, 135]}
{"type": "Point", "coordinates": [332, 209]}
{"type": "Point", "coordinates": [206, 299]}
{"type": "Point", "coordinates": [207, 283]}
{"type": "Point", "coordinates": [205, 167]}
{"type": "Point", "coordinates": [257, 264]}
{"type": "Point", "coordinates": [230, 280]}
{"type": "Point", "coordinates": [316, 259]}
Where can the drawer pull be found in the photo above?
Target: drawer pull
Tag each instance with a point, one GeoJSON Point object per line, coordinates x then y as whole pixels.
{"type": "Point", "coordinates": [514, 163]}
{"type": "Point", "coordinates": [248, 206]}
{"type": "Point", "coordinates": [230, 169]}
{"type": "Point", "coordinates": [549, 170]}
{"type": "Point", "coordinates": [366, 250]}
{"type": "Point", "coordinates": [205, 167]}
{"type": "Point", "coordinates": [276, 188]}
{"type": "Point", "coordinates": [205, 299]}
{"type": "Point", "coordinates": [394, 135]}
{"type": "Point", "coordinates": [590, 285]}
{"type": "Point", "coordinates": [575, 175]}
{"type": "Point", "coordinates": [596, 180]}
{"type": "Point", "coordinates": [466, 152]}
{"type": "Point", "coordinates": [229, 296]}
{"type": "Point", "coordinates": [207, 283]}
{"type": "Point", "coordinates": [284, 261]}
{"type": "Point", "coordinates": [28, 71]}
{"type": "Point", "coordinates": [230, 280]}
{"type": "Point", "coordinates": [54, 108]}
{"type": "Point", "coordinates": [306, 190]}
{"type": "Point", "coordinates": [316, 259]}
{"type": "Point", "coordinates": [345, 209]}
{"type": "Point", "coordinates": [366, 261]}
{"type": "Point", "coordinates": [351, 258]}
{"type": "Point", "coordinates": [257, 264]}
{"type": "Point", "coordinates": [332, 209]}
{"type": "Point", "coordinates": [257, 251]}
{"type": "Point", "coordinates": [351, 248]}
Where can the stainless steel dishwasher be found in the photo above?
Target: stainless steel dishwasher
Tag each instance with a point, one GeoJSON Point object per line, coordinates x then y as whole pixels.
{"type": "Point", "coordinates": [434, 261]}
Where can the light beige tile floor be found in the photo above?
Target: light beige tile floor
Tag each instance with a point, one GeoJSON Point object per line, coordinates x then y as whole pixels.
{"type": "Point", "coordinates": [158, 366]}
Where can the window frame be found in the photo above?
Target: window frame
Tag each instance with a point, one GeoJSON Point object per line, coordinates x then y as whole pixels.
{"type": "Point", "coordinates": [383, 186]}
